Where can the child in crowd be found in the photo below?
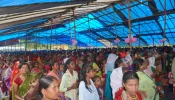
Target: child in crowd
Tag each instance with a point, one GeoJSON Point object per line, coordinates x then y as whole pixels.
{"type": "Point", "coordinates": [98, 83]}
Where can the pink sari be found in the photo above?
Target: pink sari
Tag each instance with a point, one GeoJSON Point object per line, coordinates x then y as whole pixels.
{"type": "Point", "coordinates": [51, 73]}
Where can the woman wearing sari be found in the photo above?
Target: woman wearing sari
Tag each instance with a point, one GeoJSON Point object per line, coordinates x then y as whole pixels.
{"type": "Point", "coordinates": [90, 60]}
{"type": "Point", "coordinates": [129, 91]}
{"type": "Point", "coordinates": [7, 74]}
{"type": "Point", "coordinates": [54, 72]}
{"type": "Point", "coordinates": [173, 73]}
{"type": "Point", "coordinates": [146, 83]}
{"type": "Point", "coordinates": [109, 67]}
{"type": "Point", "coordinates": [116, 76]}
{"type": "Point", "coordinates": [22, 82]}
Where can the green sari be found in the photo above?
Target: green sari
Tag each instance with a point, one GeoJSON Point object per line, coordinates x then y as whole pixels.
{"type": "Point", "coordinates": [24, 87]}
{"type": "Point", "coordinates": [148, 85]}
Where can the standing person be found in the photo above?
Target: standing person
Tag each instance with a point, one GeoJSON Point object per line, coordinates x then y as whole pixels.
{"type": "Point", "coordinates": [48, 88]}
{"type": "Point", "coordinates": [146, 83]}
{"type": "Point", "coordinates": [69, 82]}
{"type": "Point", "coordinates": [173, 73]}
{"type": "Point", "coordinates": [109, 68]}
{"type": "Point", "coordinates": [90, 60]}
{"type": "Point", "coordinates": [116, 76]}
{"type": "Point", "coordinates": [15, 72]}
{"type": "Point", "coordinates": [6, 75]}
{"type": "Point", "coordinates": [129, 91]}
{"type": "Point", "coordinates": [87, 89]}
{"type": "Point", "coordinates": [61, 71]}
{"type": "Point", "coordinates": [3, 88]}
{"type": "Point", "coordinates": [98, 84]}
{"type": "Point", "coordinates": [98, 61]}
{"type": "Point", "coordinates": [151, 65]}
{"type": "Point", "coordinates": [1, 69]}
{"type": "Point", "coordinates": [81, 61]}
{"type": "Point", "coordinates": [21, 82]}
{"type": "Point", "coordinates": [54, 71]}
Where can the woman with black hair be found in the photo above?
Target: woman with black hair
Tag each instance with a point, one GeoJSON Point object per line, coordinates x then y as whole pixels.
{"type": "Point", "coordinates": [48, 88]}
{"type": "Point", "coordinates": [146, 83]}
{"type": "Point", "coordinates": [116, 76]}
{"type": "Point", "coordinates": [129, 91]}
{"type": "Point", "coordinates": [22, 82]}
{"type": "Point", "coordinates": [69, 81]}
{"type": "Point", "coordinates": [109, 67]}
{"type": "Point", "coordinates": [173, 72]}
{"type": "Point", "coordinates": [54, 71]}
{"type": "Point", "coordinates": [87, 89]}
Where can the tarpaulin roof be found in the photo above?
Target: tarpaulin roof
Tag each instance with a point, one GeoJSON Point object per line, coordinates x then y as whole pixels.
{"type": "Point", "coordinates": [95, 22]}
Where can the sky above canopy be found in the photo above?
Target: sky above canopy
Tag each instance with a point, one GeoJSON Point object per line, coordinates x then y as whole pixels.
{"type": "Point", "coordinates": [104, 24]}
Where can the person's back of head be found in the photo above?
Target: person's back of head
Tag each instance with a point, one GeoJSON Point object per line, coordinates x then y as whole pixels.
{"type": "Point", "coordinates": [137, 63]}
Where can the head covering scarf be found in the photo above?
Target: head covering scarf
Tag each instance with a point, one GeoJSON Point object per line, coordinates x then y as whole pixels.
{"type": "Point", "coordinates": [110, 62]}
{"type": "Point", "coordinates": [111, 58]}
{"type": "Point", "coordinates": [116, 80]}
{"type": "Point", "coordinates": [151, 66]}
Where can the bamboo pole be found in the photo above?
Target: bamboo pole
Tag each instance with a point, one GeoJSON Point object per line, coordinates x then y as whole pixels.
{"type": "Point", "coordinates": [164, 21]}
{"type": "Point", "coordinates": [129, 24]}
{"type": "Point", "coordinates": [75, 27]}
{"type": "Point", "coordinates": [164, 58]}
{"type": "Point", "coordinates": [51, 36]}
{"type": "Point", "coordinates": [26, 44]}
{"type": "Point", "coordinates": [89, 29]}
{"type": "Point", "coordinates": [139, 36]}
{"type": "Point", "coordinates": [47, 42]}
{"type": "Point", "coordinates": [115, 24]}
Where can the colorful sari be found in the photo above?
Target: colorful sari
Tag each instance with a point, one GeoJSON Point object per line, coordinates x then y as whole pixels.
{"type": "Point", "coordinates": [121, 95]}
{"type": "Point", "coordinates": [24, 86]}
{"type": "Point", "coordinates": [96, 67]}
{"type": "Point", "coordinates": [108, 89]}
{"type": "Point", "coordinates": [15, 72]}
{"type": "Point", "coordinates": [148, 85]}
{"type": "Point", "coordinates": [6, 76]}
{"type": "Point", "coordinates": [108, 69]}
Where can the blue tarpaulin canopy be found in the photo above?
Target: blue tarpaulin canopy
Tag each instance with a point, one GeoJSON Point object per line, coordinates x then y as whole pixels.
{"type": "Point", "coordinates": [92, 23]}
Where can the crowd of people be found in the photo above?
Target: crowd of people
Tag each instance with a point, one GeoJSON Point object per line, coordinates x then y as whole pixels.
{"type": "Point", "coordinates": [91, 74]}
